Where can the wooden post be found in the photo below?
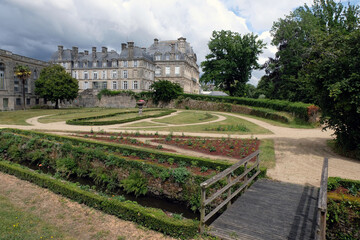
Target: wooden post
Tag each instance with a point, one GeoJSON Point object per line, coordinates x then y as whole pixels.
{"type": "Point", "coordinates": [322, 203]}
{"type": "Point", "coordinates": [202, 209]}
{"type": "Point", "coordinates": [246, 176]}
{"type": "Point", "coordinates": [229, 191]}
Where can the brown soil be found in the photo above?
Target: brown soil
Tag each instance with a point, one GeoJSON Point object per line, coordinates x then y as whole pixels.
{"type": "Point", "coordinates": [77, 220]}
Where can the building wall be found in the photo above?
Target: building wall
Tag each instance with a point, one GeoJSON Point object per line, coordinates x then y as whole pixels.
{"type": "Point", "coordinates": [11, 87]}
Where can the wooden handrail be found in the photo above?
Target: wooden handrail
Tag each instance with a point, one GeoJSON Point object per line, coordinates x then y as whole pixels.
{"type": "Point", "coordinates": [227, 174]}
{"type": "Point", "coordinates": [322, 203]}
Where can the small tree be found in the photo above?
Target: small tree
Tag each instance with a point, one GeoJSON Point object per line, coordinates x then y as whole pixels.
{"type": "Point", "coordinates": [56, 84]}
{"type": "Point", "coordinates": [165, 91]}
{"type": "Point", "coordinates": [23, 73]}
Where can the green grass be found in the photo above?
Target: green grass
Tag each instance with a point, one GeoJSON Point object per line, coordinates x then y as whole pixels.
{"type": "Point", "coordinates": [188, 117]}
{"type": "Point", "coordinates": [204, 128]}
{"type": "Point", "coordinates": [127, 116]}
{"type": "Point", "coordinates": [267, 153]}
{"type": "Point", "coordinates": [144, 124]}
{"type": "Point", "coordinates": [16, 223]}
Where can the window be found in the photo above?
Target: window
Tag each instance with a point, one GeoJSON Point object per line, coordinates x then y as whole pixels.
{"type": "Point", "coordinates": [177, 57]}
{"type": "Point", "coordinates": [5, 103]}
{"type": "Point", "coordinates": [28, 101]}
{"type": "Point", "coordinates": [37, 101]}
{"type": "Point", "coordinates": [125, 63]}
{"type": "Point", "coordinates": [114, 63]}
{"type": "Point", "coordinates": [125, 85]}
{"type": "Point", "coordinates": [125, 74]}
{"type": "Point", "coordinates": [167, 57]}
{"type": "Point", "coordinates": [95, 85]}
{"type": "Point", "coordinates": [177, 70]}
{"type": "Point", "coordinates": [103, 74]}
{"type": "Point", "coordinates": [75, 74]}
{"type": "Point", "coordinates": [2, 76]}
{"type": "Point", "coordinates": [16, 84]}
{"type": "Point", "coordinates": [95, 75]}
{"type": "Point", "coordinates": [114, 85]}
{"type": "Point", "coordinates": [167, 70]}
{"type": "Point", "coordinates": [94, 64]}
{"type": "Point", "coordinates": [86, 64]}
{"type": "Point", "coordinates": [135, 85]}
{"type": "Point", "coordinates": [135, 63]}
{"type": "Point", "coordinates": [158, 71]}
{"type": "Point", "coordinates": [86, 75]}
{"type": "Point", "coordinates": [18, 101]}
{"type": "Point", "coordinates": [86, 85]}
{"type": "Point", "coordinates": [76, 64]}
{"type": "Point", "coordinates": [104, 64]}
{"type": "Point", "coordinates": [104, 85]}
{"type": "Point", "coordinates": [35, 75]}
{"type": "Point", "coordinates": [158, 57]}
{"type": "Point", "coordinates": [114, 74]}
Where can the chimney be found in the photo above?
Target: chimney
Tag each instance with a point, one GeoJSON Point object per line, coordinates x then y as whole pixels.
{"type": "Point", "coordinates": [156, 41]}
{"type": "Point", "coordinates": [94, 52]}
{"type": "Point", "coordinates": [104, 50]}
{"type": "Point", "coordinates": [144, 49]}
{"type": "Point", "coordinates": [123, 46]}
{"type": "Point", "coordinates": [60, 52]}
{"type": "Point", "coordinates": [75, 52]}
{"type": "Point", "coordinates": [86, 52]}
{"type": "Point", "coordinates": [181, 44]}
{"type": "Point", "coordinates": [131, 49]}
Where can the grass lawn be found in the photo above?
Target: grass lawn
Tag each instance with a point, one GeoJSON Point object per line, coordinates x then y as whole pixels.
{"type": "Point", "coordinates": [228, 126]}
{"type": "Point", "coordinates": [126, 116]}
{"type": "Point", "coordinates": [188, 117]}
{"type": "Point", "coordinates": [267, 153]}
{"type": "Point", "coordinates": [18, 224]}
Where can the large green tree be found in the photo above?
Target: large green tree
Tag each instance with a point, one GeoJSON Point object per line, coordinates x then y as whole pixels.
{"type": "Point", "coordinates": [165, 91]}
{"type": "Point", "coordinates": [23, 73]}
{"type": "Point", "coordinates": [231, 60]}
{"type": "Point", "coordinates": [55, 84]}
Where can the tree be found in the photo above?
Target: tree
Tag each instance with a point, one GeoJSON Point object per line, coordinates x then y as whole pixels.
{"type": "Point", "coordinates": [231, 61]}
{"type": "Point", "coordinates": [23, 73]}
{"type": "Point", "coordinates": [55, 84]}
{"type": "Point", "coordinates": [165, 91]}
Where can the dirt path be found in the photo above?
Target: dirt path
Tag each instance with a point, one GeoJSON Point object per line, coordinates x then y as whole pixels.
{"type": "Point", "coordinates": [299, 152]}
{"type": "Point", "coordinates": [77, 220]}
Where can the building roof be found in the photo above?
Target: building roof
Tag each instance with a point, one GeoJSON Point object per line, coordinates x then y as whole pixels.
{"type": "Point", "coordinates": [138, 52]}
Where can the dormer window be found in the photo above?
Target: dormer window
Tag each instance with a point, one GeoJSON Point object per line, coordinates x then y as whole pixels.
{"type": "Point", "coordinates": [177, 57]}
{"type": "Point", "coordinates": [104, 64]}
{"type": "Point", "coordinates": [158, 57]}
{"type": "Point", "coordinates": [114, 63]}
{"type": "Point", "coordinates": [167, 57]}
{"type": "Point", "coordinates": [125, 63]}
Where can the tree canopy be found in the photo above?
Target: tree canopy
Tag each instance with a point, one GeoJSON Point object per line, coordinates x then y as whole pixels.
{"type": "Point", "coordinates": [55, 84]}
{"type": "Point", "coordinates": [230, 62]}
{"type": "Point", "coordinates": [23, 73]}
{"type": "Point", "coordinates": [164, 90]}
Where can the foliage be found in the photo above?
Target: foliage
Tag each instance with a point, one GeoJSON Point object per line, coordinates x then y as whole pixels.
{"type": "Point", "coordinates": [135, 183]}
{"type": "Point", "coordinates": [230, 62]}
{"type": "Point", "coordinates": [55, 84]}
{"type": "Point", "coordinates": [23, 73]}
{"type": "Point", "coordinates": [151, 218]}
{"type": "Point", "coordinates": [165, 91]}
{"type": "Point", "coordinates": [180, 174]}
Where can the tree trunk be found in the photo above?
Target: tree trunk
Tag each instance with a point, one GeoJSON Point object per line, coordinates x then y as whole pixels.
{"type": "Point", "coordinates": [23, 93]}
{"type": "Point", "coordinates": [57, 104]}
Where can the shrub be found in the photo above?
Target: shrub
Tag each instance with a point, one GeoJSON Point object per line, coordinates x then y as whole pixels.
{"type": "Point", "coordinates": [180, 174]}
{"type": "Point", "coordinates": [135, 183]}
{"type": "Point", "coordinates": [165, 91]}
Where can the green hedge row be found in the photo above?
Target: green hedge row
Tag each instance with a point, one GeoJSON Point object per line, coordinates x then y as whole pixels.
{"type": "Point", "coordinates": [86, 121]}
{"type": "Point", "coordinates": [299, 109]}
{"type": "Point", "coordinates": [149, 217]}
{"type": "Point", "coordinates": [335, 182]}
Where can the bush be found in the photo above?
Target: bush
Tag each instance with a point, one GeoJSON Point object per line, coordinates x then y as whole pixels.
{"type": "Point", "coordinates": [180, 174]}
{"type": "Point", "coordinates": [135, 183]}
{"type": "Point", "coordinates": [165, 91]}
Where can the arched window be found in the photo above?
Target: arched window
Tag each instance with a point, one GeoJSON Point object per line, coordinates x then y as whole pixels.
{"type": "Point", "coordinates": [2, 76]}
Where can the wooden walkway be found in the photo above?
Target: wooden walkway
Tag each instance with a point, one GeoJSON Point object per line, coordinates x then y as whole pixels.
{"type": "Point", "coordinates": [270, 210]}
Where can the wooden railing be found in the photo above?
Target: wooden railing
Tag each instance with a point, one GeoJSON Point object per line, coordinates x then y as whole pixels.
{"type": "Point", "coordinates": [322, 203]}
{"type": "Point", "coordinates": [227, 173]}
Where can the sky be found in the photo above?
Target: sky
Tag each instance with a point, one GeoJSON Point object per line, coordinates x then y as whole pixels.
{"type": "Point", "coordinates": [35, 28]}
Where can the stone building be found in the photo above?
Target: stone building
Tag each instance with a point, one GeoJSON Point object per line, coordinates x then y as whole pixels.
{"type": "Point", "coordinates": [134, 68]}
{"type": "Point", "coordinates": [11, 86]}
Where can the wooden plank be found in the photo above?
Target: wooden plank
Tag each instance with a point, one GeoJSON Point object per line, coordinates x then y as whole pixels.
{"type": "Point", "coordinates": [323, 186]}
{"type": "Point", "coordinates": [227, 171]}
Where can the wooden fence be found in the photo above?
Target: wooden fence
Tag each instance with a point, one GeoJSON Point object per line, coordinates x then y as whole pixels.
{"type": "Point", "coordinates": [227, 173]}
{"type": "Point", "coordinates": [322, 203]}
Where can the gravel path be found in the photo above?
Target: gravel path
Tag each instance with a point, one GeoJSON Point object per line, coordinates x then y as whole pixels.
{"type": "Point", "coordinates": [299, 152]}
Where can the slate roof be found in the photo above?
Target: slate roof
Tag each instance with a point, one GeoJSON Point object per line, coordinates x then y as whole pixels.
{"type": "Point", "coordinates": [67, 56]}
{"type": "Point", "coordinates": [138, 54]}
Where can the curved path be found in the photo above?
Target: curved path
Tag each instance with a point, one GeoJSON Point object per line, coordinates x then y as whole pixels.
{"type": "Point", "coordinates": [299, 152]}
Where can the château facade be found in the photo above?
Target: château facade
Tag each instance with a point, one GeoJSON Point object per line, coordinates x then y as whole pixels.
{"type": "Point", "coordinates": [11, 86]}
{"type": "Point", "coordinates": [134, 68]}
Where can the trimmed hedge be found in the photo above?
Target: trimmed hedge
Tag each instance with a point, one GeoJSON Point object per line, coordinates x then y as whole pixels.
{"type": "Point", "coordinates": [149, 217]}
{"type": "Point", "coordinates": [299, 109]}
{"type": "Point", "coordinates": [335, 182]}
{"type": "Point", "coordinates": [85, 121]}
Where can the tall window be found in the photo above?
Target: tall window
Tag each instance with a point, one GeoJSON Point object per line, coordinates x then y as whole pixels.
{"type": "Point", "coordinates": [103, 74]}
{"type": "Point", "coordinates": [104, 85]}
{"type": "Point", "coordinates": [177, 57]}
{"type": "Point", "coordinates": [86, 85]}
{"type": "Point", "coordinates": [18, 101]}
{"type": "Point", "coordinates": [114, 63]}
{"type": "Point", "coordinates": [114, 74]}
{"type": "Point", "coordinates": [75, 75]}
{"type": "Point", "coordinates": [114, 85]}
{"type": "Point", "coordinates": [2, 76]}
{"type": "Point", "coordinates": [86, 75]}
{"type": "Point", "coordinates": [158, 71]}
{"type": "Point", "coordinates": [135, 63]}
{"type": "Point", "coordinates": [125, 63]}
{"type": "Point", "coordinates": [177, 70]}
{"type": "Point", "coordinates": [125, 74]}
{"type": "Point", "coordinates": [35, 74]}
{"type": "Point", "coordinates": [167, 57]}
{"type": "Point", "coordinates": [158, 57]}
{"type": "Point", "coordinates": [104, 64]}
{"type": "Point", "coordinates": [135, 85]}
{"type": "Point", "coordinates": [5, 103]}
{"type": "Point", "coordinates": [16, 84]}
{"type": "Point", "coordinates": [94, 64]}
{"type": "Point", "coordinates": [95, 85]}
{"type": "Point", "coordinates": [167, 70]}
{"type": "Point", "coordinates": [125, 85]}
{"type": "Point", "coordinates": [95, 75]}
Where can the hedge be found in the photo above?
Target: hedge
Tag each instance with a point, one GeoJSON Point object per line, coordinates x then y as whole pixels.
{"type": "Point", "coordinates": [149, 217]}
{"type": "Point", "coordinates": [335, 182]}
{"type": "Point", "coordinates": [299, 109]}
{"type": "Point", "coordinates": [85, 121]}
